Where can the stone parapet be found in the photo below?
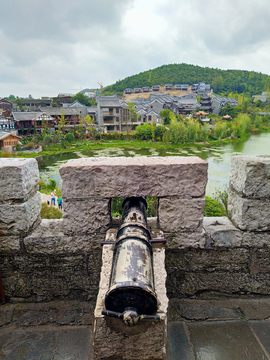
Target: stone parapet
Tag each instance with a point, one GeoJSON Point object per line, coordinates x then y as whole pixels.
{"type": "Point", "coordinates": [178, 214]}
{"type": "Point", "coordinates": [18, 218]}
{"type": "Point", "coordinates": [86, 215]}
{"type": "Point", "coordinates": [249, 193]}
{"type": "Point", "coordinates": [249, 214]}
{"type": "Point", "coordinates": [18, 179]}
{"type": "Point", "coordinates": [139, 176]}
{"type": "Point", "coordinates": [250, 176]}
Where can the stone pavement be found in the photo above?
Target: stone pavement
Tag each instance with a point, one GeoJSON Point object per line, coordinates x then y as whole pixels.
{"type": "Point", "coordinates": [228, 329]}
{"type": "Point", "coordinates": [45, 343]}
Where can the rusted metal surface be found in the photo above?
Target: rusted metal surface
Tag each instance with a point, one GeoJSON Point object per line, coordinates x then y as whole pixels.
{"type": "Point", "coordinates": [132, 278]}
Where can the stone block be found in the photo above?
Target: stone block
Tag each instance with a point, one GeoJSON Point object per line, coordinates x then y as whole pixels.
{"type": "Point", "coordinates": [249, 214]}
{"type": "Point", "coordinates": [9, 245]}
{"type": "Point", "coordinates": [221, 233]}
{"type": "Point", "coordinates": [177, 214]}
{"type": "Point", "coordinates": [18, 178]}
{"type": "Point", "coordinates": [256, 239]}
{"type": "Point", "coordinates": [86, 216]}
{"type": "Point", "coordinates": [17, 219]}
{"type": "Point", "coordinates": [250, 176]}
{"type": "Point", "coordinates": [49, 238]}
{"type": "Point", "coordinates": [208, 261]}
{"type": "Point", "coordinates": [260, 261]}
{"type": "Point", "coordinates": [226, 282]}
{"type": "Point", "coordinates": [146, 340]}
{"type": "Point", "coordinates": [185, 239]}
{"type": "Point", "coordinates": [139, 176]}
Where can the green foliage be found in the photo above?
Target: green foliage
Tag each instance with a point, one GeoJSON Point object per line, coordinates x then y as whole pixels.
{"type": "Point", "coordinates": [43, 130]}
{"type": "Point", "coordinates": [47, 139]}
{"type": "Point", "coordinates": [143, 132]}
{"type": "Point", "coordinates": [258, 121]}
{"type": "Point", "coordinates": [222, 197]}
{"type": "Point", "coordinates": [177, 133]}
{"type": "Point", "coordinates": [192, 130]}
{"type": "Point", "coordinates": [69, 137]}
{"type": "Point", "coordinates": [50, 212]}
{"type": "Point", "coordinates": [159, 132]}
{"type": "Point", "coordinates": [220, 130]}
{"type": "Point", "coordinates": [83, 99]}
{"type": "Point", "coordinates": [151, 211]}
{"type": "Point", "coordinates": [153, 128]}
{"type": "Point", "coordinates": [233, 111]}
{"type": "Point", "coordinates": [222, 81]}
{"type": "Point", "coordinates": [52, 184]}
{"type": "Point", "coordinates": [166, 116]}
{"type": "Point", "coordinates": [213, 208]}
{"type": "Point", "coordinates": [241, 125]}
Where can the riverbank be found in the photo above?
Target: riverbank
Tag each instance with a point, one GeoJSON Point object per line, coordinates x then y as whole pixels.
{"type": "Point", "coordinates": [125, 144]}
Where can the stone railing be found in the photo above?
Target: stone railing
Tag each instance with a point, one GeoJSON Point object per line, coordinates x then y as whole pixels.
{"type": "Point", "coordinates": [61, 259]}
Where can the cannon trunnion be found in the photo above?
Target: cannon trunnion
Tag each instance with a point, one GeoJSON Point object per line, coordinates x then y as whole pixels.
{"type": "Point", "coordinates": [131, 295]}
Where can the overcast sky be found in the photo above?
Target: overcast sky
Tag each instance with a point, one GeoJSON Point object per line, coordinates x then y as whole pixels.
{"type": "Point", "coordinates": [53, 46]}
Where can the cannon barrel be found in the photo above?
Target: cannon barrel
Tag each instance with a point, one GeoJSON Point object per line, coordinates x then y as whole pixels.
{"type": "Point", "coordinates": [131, 295]}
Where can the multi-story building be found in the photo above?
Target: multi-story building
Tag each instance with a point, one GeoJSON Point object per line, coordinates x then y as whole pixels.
{"type": "Point", "coordinates": [109, 112]}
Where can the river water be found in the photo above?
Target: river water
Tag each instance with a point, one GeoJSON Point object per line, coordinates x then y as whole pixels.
{"type": "Point", "coordinates": [218, 158]}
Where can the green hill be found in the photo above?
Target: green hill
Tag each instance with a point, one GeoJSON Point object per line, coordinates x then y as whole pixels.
{"type": "Point", "coordinates": [222, 81]}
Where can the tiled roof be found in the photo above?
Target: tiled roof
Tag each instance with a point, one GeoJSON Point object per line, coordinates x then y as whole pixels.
{"type": "Point", "coordinates": [57, 111]}
{"type": "Point", "coordinates": [4, 134]}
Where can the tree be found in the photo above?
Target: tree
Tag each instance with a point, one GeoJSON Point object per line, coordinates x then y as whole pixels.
{"type": "Point", "coordinates": [61, 123]}
{"type": "Point", "coordinates": [83, 99]}
{"type": "Point", "coordinates": [166, 116]}
{"type": "Point", "coordinates": [43, 125]}
{"type": "Point", "coordinates": [133, 116]}
{"type": "Point", "coordinates": [69, 137]}
{"type": "Point", "coordinates": [153, 128]}
{"type": "Point", "coordinates": [89, 122]}
{"type": "Point", "coordinates": [144, 132]}
{"type": "Point", "coordinates": [160, 131]}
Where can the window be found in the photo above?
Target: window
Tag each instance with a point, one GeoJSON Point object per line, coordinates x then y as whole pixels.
{"type": "Point", "coordinates": [149, 117]}
{"type": "Point", "coordinates": [117, 110]}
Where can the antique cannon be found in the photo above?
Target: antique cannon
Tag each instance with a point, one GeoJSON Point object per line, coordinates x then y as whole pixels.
{"type": "Point", "coordinates": [131, 295]}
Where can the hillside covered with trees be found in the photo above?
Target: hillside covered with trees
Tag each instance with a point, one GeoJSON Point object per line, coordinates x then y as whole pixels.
{"type": "Point", "coordinates": [222, 81]}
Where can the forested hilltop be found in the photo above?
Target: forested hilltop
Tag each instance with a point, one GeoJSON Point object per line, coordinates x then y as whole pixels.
{"type": "Point", "coordinates": [222, 81]}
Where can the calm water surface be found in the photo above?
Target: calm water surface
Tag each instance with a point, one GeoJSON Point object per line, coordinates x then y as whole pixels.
{"type": "Point", "coordinates": [218, 158]}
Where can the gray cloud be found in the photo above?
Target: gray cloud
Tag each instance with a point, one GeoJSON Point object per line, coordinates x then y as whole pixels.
{"type": "Point", "coordinates": [57, 46]}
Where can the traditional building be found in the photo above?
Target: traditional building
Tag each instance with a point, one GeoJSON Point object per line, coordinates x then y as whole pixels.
{"type": "Point", "coordinates": [31, 121]}
{"type": "Point", "coordinates": [206, 104]}
{"type": "Point", "coordinates": [8, 141]}
{"type": "Point", "coordinates": [220, 102]}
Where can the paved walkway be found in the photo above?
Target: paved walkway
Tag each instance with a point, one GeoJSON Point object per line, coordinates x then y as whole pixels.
{"type": "Point", "coordinates": [197, 330]}
{"type": "Point", "coordinates": [221, 340]}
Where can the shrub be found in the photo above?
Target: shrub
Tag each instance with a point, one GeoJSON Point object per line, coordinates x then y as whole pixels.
{"type": "Point", "coordinates": [47, 139]}
{"type": "Point", "coordinates": [52, 184]}
{"type": "Point", "coordinates": [160, 131]}
{"type": "Point", "coordinates": [144, 132]}
{"type": "Point", "coordinates": [4, 154]}
{"type": "Point", "coordinates": [42, 186]}
{"type": "Point", "coordinates": [29, 146]}
{"type": "Point", "coordinates": [69, 137]}
{"type": "Point", "coordinates": [213, 208]}
{"type": "Point", "coordinates": [50, 212]}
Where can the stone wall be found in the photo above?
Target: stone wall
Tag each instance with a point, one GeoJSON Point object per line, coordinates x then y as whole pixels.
{"type": "Point", "coordinates": [233, 258]}
{"type": "Point", "coordinates": [205, 257]}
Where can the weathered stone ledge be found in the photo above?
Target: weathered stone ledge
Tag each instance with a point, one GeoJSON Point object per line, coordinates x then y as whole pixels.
{"type": "Point", "coordinates": [145, 176]}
